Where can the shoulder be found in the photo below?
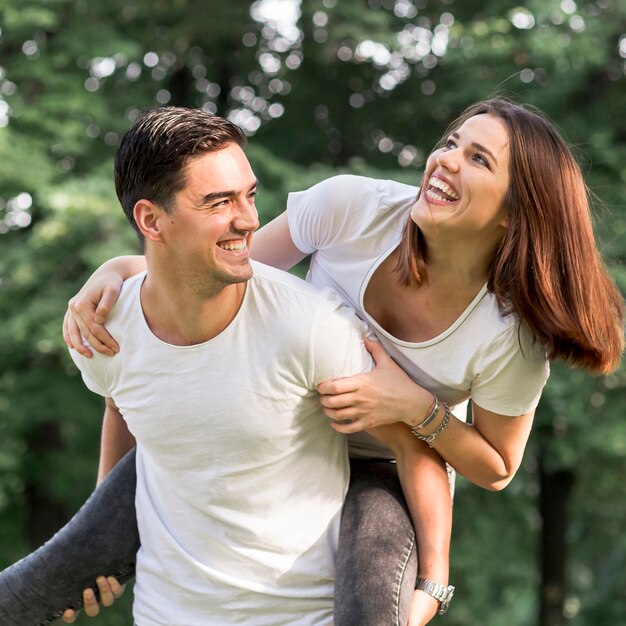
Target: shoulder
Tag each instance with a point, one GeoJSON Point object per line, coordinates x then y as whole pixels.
{"type": "Point", "coordinates": [312, 322]}
{"type": "Point", "coordinates": [351, 190]}
{"type": "Point", "coordinates": [345, 207]}
{"type": "Point", "coordinates": [506, 334]}
{"type": "Point", "coordinates": [282, 288]}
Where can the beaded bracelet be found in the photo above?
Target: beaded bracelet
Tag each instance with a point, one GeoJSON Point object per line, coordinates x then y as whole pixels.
{"type": "Point", "coordinates": [429, 439]}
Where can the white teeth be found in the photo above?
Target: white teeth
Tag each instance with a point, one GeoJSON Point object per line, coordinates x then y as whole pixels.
{"type": "Point", "coordinates": [443, 186]}
{"type": "Point", "coordinates": [234, 246]}
{"type": "Point", "coordinates": [435, 196]}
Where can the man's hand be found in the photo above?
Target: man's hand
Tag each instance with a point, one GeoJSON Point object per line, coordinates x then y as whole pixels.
{"type": "Point", "coordinates": [109, 589]}
{"type": "Point", "coordinates": [423, 609]}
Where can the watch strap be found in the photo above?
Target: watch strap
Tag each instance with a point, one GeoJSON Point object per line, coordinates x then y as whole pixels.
{"type": "Point", "coordinates": [442, 593]}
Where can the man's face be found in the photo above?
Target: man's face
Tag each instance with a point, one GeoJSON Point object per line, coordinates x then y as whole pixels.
{"type": "Point", "coordinates": [208, 233]}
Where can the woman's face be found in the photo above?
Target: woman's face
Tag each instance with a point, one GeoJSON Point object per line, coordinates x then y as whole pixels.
{"type": "Point", "coordinates": [466, 181]}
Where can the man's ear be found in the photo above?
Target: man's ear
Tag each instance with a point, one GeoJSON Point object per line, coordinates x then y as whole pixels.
{"type": "Point", "coordinates": [148, 217]}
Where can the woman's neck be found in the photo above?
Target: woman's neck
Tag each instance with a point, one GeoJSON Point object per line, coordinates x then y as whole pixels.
{"type": "Point", "coordinates": [418, 314]}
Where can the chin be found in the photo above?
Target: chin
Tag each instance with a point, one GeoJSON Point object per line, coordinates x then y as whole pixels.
{"type": "Point", "coordinates": [242, 274]}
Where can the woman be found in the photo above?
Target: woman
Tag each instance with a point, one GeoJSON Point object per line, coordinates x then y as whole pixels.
{"type": "Point", "coordinates": [496, 267]}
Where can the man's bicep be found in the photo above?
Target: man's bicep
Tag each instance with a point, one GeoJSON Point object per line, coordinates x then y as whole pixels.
{"type": "Point", "coordinates": [338, 349]}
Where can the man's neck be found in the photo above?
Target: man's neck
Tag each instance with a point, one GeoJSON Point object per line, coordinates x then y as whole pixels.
{"type": "Point", "coordinates": [181, 318]}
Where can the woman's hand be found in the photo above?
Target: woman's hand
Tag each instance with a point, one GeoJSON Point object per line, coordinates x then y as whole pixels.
{"type": "Point", "coordinates": [383, 396]}
{"type": "Point", "coordinates": [108, 588]}
{"type": "Point", "coordinates": [87, 312]}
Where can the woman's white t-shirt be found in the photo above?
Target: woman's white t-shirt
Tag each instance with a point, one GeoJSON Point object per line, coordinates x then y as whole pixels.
{"type": "Point", "coordinates": [350, 224]}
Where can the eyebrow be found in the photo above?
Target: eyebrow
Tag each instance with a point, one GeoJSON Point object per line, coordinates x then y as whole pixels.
{"type": "Point", "coordinates": [478, 147]}
{"type": "Point", "coordinates": [231, 193]}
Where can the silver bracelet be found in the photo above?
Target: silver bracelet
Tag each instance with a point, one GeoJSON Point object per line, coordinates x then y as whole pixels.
{"type": "Point", "coordinates": [429, 418]}
{"type": "Point", "coordinates": [429, 439]}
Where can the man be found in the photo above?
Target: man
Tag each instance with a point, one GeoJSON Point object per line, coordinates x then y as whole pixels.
{"type": "Point", "coordinates": [240, 479]}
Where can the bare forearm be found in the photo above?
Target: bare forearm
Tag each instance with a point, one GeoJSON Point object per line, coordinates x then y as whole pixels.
{"type": "Point", "coordinates": [125, 266]}
{"type": "Point", "coordinates": [490, 451]}
{"type": "Point", "coordinates": [273, 245]}
{"type": "Point", "coordinates": [472, 456]}
{"type": "Point", "coordinates": [115, 442]}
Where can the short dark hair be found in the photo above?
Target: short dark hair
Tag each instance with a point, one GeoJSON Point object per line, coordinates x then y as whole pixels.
{"type": "Point", "coordinates": [152, 155]}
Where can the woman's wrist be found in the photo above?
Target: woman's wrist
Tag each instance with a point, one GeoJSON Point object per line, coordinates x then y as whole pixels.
{"type": "Point", "coordinates": [421, 407]}
{"type": "Point", "coordinates": [434, 424]}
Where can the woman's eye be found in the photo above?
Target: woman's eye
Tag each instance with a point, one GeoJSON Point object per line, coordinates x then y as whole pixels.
{"type": "Point", "coordinates": [450, 145]}
{"type": "Point", "coordinates": [479, 158]}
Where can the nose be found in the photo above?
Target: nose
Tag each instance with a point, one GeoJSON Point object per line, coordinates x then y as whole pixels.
{"type": "Point", "coordinates": [247, 217]}
{"type": "Point", "coordinates": [449, 159]}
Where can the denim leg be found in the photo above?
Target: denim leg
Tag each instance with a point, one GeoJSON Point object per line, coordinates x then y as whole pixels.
{"type": "Point", "coordinates": [101, 539]}
{"type": "Point", "coordinates": [376, 558]}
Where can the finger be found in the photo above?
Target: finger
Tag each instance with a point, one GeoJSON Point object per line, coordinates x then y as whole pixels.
{"type": "Point", "coordinates": [106, 594]}
{"type": "Point", "coordinates": [375, 348]}
{"type": "Point", "coordinates": [100, 339]}
{"type": "Point", "coordinates": [346, 421]}
{"type": "Point", "coordinates": [342, 415]}
{"type": "Point", "coordinates": [339, 385]}
{"type": "Point", "coordinates": [75, 338]}
{"type": "Point", "coordinates": [90, 604]}
{"type": "Point", "coordinates": [66, 333]}
{"type": "Point", "coordinates": [346, 427]}
{"type": "Point", "coordinates": [341, 401]}
{"type": "Point", "coordinates": [108, 299]}
{"type": "Point", "coordinates": [69, 616]}
{"type": "Point", "coordinates": [97, 336]}
{"type": "Point", "coordinates": [116, 587]}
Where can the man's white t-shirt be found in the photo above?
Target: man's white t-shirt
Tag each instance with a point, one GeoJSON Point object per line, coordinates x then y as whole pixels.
{"type": "Point", "coordinates": [240, 478]}
{"type": "Point", "coordinates": [351, 224]}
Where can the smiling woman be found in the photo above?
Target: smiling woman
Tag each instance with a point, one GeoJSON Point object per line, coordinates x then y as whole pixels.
{"type": "Point", "coordinates": [467, 181]}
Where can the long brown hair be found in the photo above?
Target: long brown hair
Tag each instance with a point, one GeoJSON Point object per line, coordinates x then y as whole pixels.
{"type": "Point", "coordinates": [547, 269]}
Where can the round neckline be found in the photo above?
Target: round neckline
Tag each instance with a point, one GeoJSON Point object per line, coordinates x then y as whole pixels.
{"type": "Point", "coordinates": [192, 346]}
{"type": "Point", "coordinates": [400, 342]}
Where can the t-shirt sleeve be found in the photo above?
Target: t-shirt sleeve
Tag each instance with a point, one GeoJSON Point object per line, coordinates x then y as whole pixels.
{"type": "Point", "coordinates": [93, 371]}
{"type": "Point", "coordinates": [512, 372]}
{"type": "Point", "coordinates": [330, 210]}
{"type": "Point", "coordinates": [336, 347]}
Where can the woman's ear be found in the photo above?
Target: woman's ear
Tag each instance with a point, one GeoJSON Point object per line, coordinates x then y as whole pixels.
{"type": "Point", "coordinates": [504, 222]}
{"type": "Point", "coordinates": [147, 216]}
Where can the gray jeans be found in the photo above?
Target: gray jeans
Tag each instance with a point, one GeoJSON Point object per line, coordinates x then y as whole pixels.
{"type": "Point", "coordinates": [376, 559]}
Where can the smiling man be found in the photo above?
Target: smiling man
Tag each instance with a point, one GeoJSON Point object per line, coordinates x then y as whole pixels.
{"type": "Point", "coordinates": [240, 479]}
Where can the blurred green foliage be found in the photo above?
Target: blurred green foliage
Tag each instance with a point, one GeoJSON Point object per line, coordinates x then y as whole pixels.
{"type": "Point", "coordinates": [321, 87]}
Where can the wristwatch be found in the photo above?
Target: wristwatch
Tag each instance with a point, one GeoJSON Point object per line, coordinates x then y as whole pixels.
{"type": "Point", "coordinates": [439, 592]}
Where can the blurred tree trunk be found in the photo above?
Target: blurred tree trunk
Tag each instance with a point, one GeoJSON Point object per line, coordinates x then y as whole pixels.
{"type": "Point", "coordinates": [556, 489]}
{"type": "Point", "coordinates": [44, 514]}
